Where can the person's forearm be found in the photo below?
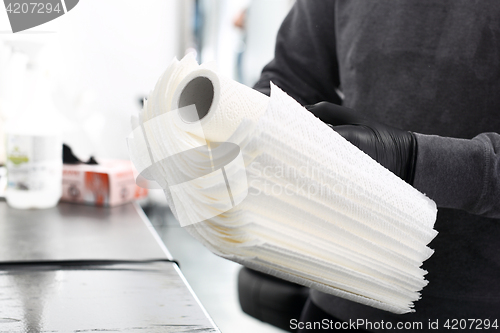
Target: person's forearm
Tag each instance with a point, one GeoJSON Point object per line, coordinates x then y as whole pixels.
{"type": "Point", "coordinates": [461, 174]}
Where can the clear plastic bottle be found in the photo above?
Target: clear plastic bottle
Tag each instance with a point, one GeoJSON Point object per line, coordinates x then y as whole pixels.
{"type": "Point", "coordinates": [34, 168]}
{"type": "Point", "coordinates": [34, 150]}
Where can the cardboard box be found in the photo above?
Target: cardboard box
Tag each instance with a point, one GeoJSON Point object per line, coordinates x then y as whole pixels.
{"type": "Point", "coordinates": [109, 183]}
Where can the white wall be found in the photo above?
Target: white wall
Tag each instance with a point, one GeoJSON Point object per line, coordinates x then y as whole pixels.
{"type": "Point", "coordinates": [264, 18]}
{"type": "Point", "coordinates": [221, 39]}
{"type": "Point", "coordinates": [103, 55]}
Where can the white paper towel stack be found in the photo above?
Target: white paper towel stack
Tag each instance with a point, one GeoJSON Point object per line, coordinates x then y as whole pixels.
{"type": "Point", "coordinates": [262, 182]}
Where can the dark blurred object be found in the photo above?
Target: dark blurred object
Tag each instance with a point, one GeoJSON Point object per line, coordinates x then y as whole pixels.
{"type": "Point", "coordinates": [92, 161]}
{"type": "Point", "coordinates": [70, 158]}
{"type": "Point", "coordinates": [141, 101]}
{"type": "Point", "coordinates": [269, 299]}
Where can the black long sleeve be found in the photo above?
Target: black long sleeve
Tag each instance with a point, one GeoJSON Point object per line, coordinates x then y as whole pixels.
{"type": "Point", "coordinates": [459, 173]}
{"type": "Point", "coordinates": [305, 66]}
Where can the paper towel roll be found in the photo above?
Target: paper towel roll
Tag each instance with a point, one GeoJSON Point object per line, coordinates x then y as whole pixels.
{"type": "Point", "coordinates": [294, 199]}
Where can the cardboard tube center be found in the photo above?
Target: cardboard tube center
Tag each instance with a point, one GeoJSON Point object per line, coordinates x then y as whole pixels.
{"type": "Point", "coordinates": [200, 92]}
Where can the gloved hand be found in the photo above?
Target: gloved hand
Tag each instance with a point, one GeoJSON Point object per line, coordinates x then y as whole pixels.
{"type": "Point", "coordinates": [393, 148]}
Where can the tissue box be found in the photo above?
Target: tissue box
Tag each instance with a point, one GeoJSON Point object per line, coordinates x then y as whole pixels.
{"type": "Point", "coordinates": [109, 183]}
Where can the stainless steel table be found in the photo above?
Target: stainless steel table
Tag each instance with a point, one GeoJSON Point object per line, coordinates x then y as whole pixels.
{"type": "Point", "coordinates": [118, 297]}
{"type": "Point", "coordinates": [71, 231]}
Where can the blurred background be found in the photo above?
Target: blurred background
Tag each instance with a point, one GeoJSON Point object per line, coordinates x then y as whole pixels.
{"type": "Point", "coordinates": [104, 56]}
{"type": "Point", "coordinates": [97, 63]}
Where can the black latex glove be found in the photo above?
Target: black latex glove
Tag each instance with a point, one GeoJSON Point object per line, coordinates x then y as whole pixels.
{"type": "Point", "coordinates": [393, 148]}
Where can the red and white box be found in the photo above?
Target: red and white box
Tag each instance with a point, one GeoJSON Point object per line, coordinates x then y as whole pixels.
{"type": "Point", "coordinates": [109, 183]}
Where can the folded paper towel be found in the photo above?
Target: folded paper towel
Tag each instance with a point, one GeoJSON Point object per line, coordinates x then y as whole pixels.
{"type": "Point", "coordinates": [262, 182]}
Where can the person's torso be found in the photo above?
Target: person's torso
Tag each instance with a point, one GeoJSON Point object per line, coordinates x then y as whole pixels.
{"type": "Point", "coordinates": [431, 67]}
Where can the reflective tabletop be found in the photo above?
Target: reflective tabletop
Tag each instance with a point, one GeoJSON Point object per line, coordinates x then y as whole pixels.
{"type": "Point", "coordinates": [71, 231]}
{"type": "Point", "coordinates": [41, 295]}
